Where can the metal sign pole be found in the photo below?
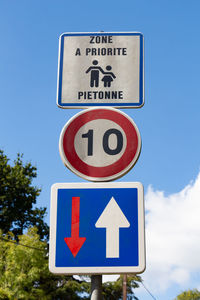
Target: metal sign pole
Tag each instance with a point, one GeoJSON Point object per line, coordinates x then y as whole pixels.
{"type": "Point", "coordinates": [125, 287]}
{"type": "Point", "coordinates": [96, 287]}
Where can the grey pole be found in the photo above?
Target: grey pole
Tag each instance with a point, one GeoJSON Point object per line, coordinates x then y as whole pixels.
{"type": "Point", "coordinates": [96, 287]}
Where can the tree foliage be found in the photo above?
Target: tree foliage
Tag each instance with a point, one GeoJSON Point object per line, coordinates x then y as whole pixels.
{"type": "Point", "coordinates": [18, 196]}
{"type": "Point", "coordinates": [189, 295]}
{"type": "Point", "coordinates": [113, 290]}
{"type": "Point", "coordinates": [25, 274]}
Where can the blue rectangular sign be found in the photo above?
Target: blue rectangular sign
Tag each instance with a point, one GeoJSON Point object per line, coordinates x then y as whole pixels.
{"type": "Point", "coordinates": [97, 228]}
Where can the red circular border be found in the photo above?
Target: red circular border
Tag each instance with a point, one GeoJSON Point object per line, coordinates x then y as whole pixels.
{"type": "Point", "coordinates": [67, 143]}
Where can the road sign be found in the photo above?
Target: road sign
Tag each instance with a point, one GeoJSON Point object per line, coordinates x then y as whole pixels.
{"type": "Point", "coordinates": [100, 144]}
{"type": "Point", "coordinates": [101, 69]}
{"type": "Point", "coordinates": [97, 228]}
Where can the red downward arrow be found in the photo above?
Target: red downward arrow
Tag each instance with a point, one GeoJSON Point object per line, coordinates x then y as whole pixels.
{"type": "Point", "coordinates": [75, 242]}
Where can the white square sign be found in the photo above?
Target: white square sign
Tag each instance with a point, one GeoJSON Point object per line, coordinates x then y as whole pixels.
{"type": "Point", "coordinates": [101, 69]}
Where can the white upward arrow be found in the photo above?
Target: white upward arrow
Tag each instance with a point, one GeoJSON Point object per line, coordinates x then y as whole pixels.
{"type": "Point", "coordinates": [112, 218]}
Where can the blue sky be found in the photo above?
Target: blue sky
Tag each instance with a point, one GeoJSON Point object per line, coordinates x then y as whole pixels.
{"type": "Point", "coordinates": [169, 122]}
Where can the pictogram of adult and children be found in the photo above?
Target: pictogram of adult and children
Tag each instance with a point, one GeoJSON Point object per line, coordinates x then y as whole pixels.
{"type": "Point", "coordinates": [97, 74]}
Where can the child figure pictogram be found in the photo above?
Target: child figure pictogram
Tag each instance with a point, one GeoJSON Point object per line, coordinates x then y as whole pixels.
{"type": "Point", "coordinates": [108, 77]}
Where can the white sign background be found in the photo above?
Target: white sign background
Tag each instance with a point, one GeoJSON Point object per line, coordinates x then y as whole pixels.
{"type": "Point", "coordinates": [76, 58]}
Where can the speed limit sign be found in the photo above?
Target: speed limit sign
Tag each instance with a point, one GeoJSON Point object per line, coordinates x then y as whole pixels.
{"type": "Point", "coordinates": [100, 144]}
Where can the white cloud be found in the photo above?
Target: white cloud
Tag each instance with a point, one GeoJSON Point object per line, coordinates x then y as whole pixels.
{"type": "Point", "coordinates": [172, 236]}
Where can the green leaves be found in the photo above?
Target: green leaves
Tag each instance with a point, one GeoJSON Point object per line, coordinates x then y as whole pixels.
{"type": "Point", "coordinates": [18, 196]}
{"type": "Point", "coordinates": [25, 274]}
{"type": "Point", "coordinates": [22, 265]}
{"type": "Point", "coordinates": [113, 290]}
{"type": "Point", "coordinates": [189, 295]}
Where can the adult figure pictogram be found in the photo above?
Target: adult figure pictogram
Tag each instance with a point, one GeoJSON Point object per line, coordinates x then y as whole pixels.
{"type": "Point", "coordinates": [94, 73]}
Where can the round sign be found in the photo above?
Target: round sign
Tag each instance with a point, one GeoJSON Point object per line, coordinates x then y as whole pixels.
{"type": "Point", "coordinates": [100, 144]}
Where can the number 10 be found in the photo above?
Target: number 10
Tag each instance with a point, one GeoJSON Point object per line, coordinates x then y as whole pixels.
{"type": "Point", "coordinates": [105, 142]}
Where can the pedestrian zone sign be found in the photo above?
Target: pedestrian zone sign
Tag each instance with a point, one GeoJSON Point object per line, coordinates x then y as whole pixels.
{"type": "Point", "coordinates": [101, 69]}
{"type": "Point", "coordinates": [97, 228]}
